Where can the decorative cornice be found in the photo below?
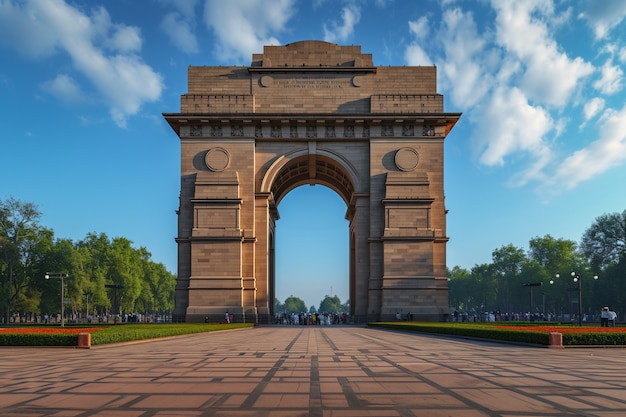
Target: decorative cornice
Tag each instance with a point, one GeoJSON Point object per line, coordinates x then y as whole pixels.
{"type": "Point", "coordinates": [219, 123]}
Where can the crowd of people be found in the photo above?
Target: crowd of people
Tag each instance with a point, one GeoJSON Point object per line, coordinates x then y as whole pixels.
{"type": "Point", "coordinates": [303, 319]}
{"type": "Point", "coordinates": [607, 317]}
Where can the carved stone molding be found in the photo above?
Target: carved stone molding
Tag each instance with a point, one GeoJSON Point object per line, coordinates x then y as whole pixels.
{"type": "Point", "coordinates": [216, 131]}
{"type": "Point", "coordinates": [236, 130]}
{"type": "Point", "coordinates": [276, 132]}
{"type": "Point", "coordinates": [195, 130]}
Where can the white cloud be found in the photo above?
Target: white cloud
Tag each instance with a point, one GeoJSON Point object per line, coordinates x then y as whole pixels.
{"type": "Point", "coordinates": [419, 27]}
{"type": "Point", "coordinates": [180, 32]}
{"type": "Point", "coordinates": [350, 16]}
{"type": "Point", "coordinates": [23, 25]}
{"type": "Point", "coordinates": [593, 107]}
{"type": "Point", "coordinates": [611, 80]}
{"type": "Point", "coordinates": [125, 39]}
{"type": "Point", "coordinates": [65, 88]}
{"type": "Point", "coordinates": [415, 54]}
{"type": "Point", "coordinates": [516, 85]}
{"type": "Point", "coordinates": [463, 67]}
{"type": "Point", "coordinates": [115, 37]}
{"type": "Point", "coordinates": [604, 15]}
{"type": "Point", "coordinates": [549, 75]}
{"type": "Point", "coordinates": [122, 79]}
{"type": "Point", "coordinates": [608, 151]}
{"type": "Point", "coordinates": [243, 27]}
{"type": "Point", "coordinates": [506, 123]}
{"type": "Point", "coordinates": [179, 24]}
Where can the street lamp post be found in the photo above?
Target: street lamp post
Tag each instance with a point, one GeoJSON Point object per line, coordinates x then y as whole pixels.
{"type": "Point", "coordinates": [578, 280]}
{"type": "Point", "coordinates": [557, 310]}
{"type": "Point", "coordinates": [87, 294]}
{"type": "Point", "coordinates": [115, 288]}
{"type": "Point", "coordinates": [61, 276]}
{"type": "Point", "coordinates": [531, 285]}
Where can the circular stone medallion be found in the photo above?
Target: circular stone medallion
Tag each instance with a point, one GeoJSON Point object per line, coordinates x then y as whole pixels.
{"type": "Point", "coordinates": [217, 159]}
{"type": "Point", "coordinates": [407, 159]}
{"type": "Point", "coordinates": [266, 81]}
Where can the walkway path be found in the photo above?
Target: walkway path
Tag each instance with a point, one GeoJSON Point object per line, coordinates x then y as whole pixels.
{"type": "Point", "coordinates": [312, 371]}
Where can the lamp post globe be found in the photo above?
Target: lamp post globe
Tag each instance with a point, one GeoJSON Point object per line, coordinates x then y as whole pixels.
{"type": "Point", "coordinates": [577, 279]}
{"type": "Point", "coordinates": [49, 275]}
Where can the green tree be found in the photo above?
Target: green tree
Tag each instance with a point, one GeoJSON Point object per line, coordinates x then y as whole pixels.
{"type": "Point", "coordinates": [604, 242]}
{"type": "Point", "coordinates": [486, 282]}
{"type": "Point", "coordinates": [20, 233]}
{"type": "Point", "coordinates": [294, 305]}
{"type": "Point", "coordinates": [532, 272]}
{"type": "Point", "coordinates": [507, 266]}
{"type": "Point", "coordinates": [166, 288]}
{"type": "Point", "coordinates": [462, 291]}
{"type": "Point", "coordinates": [554, 255]}
{"type": "Point", "coordinates": [58, 257]}
{"type": "Point", "coordinates": [279, 307]}
{"type": "Point", "coordinates": [93, 261]}
{"type": "Point", "coordinates": [124, 270]}
{"type": "Point", "coordinates": [330, 304]}
{"type": "Point", "coordinates": [157, 290]}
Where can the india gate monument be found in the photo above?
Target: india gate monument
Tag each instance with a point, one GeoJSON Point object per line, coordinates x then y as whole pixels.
{"type": "Point", "coordinates": [311, 113]}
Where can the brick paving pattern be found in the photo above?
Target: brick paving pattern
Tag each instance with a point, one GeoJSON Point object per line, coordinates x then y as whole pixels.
{"type": "Point", "coordinates": [312, 371]}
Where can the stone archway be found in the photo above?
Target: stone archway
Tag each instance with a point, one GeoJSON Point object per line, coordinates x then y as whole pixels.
{"type": "Point", "coordinates": [303, 168]}
{"type": "Point", "coordinates": [311, 113]}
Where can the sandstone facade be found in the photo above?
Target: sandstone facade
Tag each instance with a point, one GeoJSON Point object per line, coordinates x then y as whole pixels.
{"type": "Point", "coordinates": [311, 112]}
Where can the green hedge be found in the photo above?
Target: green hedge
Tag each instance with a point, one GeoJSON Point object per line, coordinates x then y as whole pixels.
{"type": "Point", "coordinates": [112, 334]}
{"type": "Point", "coordinates": [594, 339]}
{"type": "Point", "coordinates": [38, 339]}
{"type": "Point", "coordinates": [483, 331]}
{"type": "Point", "coordinates": [490, 331]}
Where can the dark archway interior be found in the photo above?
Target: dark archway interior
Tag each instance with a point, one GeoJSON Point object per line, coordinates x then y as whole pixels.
{"type": "Point", "coordinates": [318, 170]}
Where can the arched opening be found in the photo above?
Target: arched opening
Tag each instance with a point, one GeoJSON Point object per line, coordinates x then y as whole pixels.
{"type": "Point", "coordinates": [307, 272]}
{"type": "Point", "coordinates": [312, 246]}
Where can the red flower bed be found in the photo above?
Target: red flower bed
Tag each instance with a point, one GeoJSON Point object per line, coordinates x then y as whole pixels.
{"type": "Point", "coordinates": [563, 329]}
{"type": "Point", "coordinates": [50, 330]}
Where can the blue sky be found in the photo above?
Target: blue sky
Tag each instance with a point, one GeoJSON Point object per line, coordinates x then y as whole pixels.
{"type": "Point", "coordinates": [540, 148]}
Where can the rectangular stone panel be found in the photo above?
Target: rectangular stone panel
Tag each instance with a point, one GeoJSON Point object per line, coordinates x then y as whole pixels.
{"type": "Point", "coordinates": [217, 217]}
{"type": "Point", "coordinates": [407, 218]}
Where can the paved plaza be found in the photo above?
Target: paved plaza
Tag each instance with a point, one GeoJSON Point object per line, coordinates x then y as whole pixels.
{"type": "Point", "coordinates": [325, 371]}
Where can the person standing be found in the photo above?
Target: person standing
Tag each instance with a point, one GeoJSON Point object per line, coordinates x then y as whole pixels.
{"type": "Point", "coordinates": [227, 318]}
{"type": "Point", "coordinates": [612, 316]}
{"type": "Point", "coordinates": [604, 317]}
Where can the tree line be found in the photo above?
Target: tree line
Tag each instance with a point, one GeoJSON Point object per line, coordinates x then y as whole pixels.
{"type": "Point", "coordinates": [28, 250]}
{"type": "Point", "coordinates": [292, 304]}
{"type": "Point", "coordinates": [504, 284]}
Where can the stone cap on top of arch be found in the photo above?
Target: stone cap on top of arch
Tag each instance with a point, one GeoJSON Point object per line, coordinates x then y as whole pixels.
{"type": "Point", "coordinates": [312, 54]}
{"type": "Point", "coordinates": [345, 169]}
